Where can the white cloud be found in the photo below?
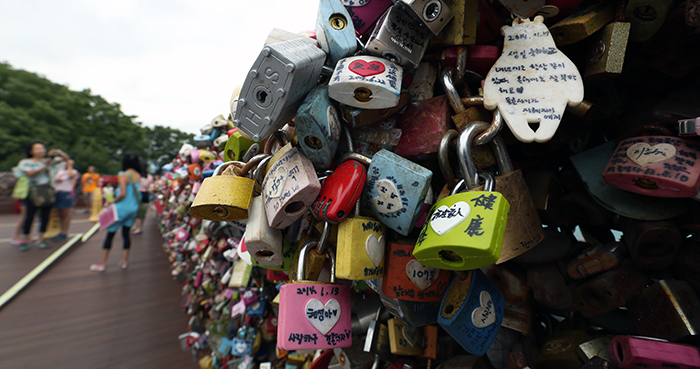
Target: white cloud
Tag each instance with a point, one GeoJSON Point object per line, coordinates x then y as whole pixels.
{"type": "Point", "coordinates": [170, 63]}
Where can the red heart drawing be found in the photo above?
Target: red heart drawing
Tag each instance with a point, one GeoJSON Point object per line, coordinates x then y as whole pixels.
{"type": "Point", "coordinates": [365, 69]}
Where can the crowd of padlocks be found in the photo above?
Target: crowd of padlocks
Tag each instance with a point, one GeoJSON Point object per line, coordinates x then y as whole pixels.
{"type": "Point", "coordinates": [364, 205]}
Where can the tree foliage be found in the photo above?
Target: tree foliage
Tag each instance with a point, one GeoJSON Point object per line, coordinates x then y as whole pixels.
{"type": "Point", "coordinates": [86, 126]}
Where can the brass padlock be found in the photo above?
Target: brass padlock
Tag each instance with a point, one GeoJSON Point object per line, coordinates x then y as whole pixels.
{"type": "Point", "coordinates": [608, 50]}
{"type": "Point", "coordinates": [225, 195]}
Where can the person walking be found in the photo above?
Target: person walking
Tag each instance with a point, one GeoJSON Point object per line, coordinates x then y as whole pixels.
{"type": "Point", "coordinates": [39, 169]}
{"type": "Point", "coordinates": [89, 181]}
{"type": "Point", "coordinates": [144, 186]}
{"type": "Point", "coordinates": [127, 203]}
{"type": "Point", "coordinates": [65, 180]}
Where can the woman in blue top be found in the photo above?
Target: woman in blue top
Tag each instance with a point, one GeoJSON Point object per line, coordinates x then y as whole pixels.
{"type": "Point", "coordinates": [127, 203]}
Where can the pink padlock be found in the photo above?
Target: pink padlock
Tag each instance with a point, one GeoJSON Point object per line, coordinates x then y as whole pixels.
{"type": "Point", "coordinates": [194, 156]}
{"type": "Point", "coordinates": [364, 17]}
{"type": "Point", "coordinates": [659, 166]}
{"type": "Point", "coordinates": [628, 352]}
{"type": "Point", "coordinates": [181, 235]}
{"type": "Point", "coordinates": [314, 315]}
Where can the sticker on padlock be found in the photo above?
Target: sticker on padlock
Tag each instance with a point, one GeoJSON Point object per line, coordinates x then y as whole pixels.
{"type": "Point", "coordinates": [399, 37]}
{"type": "Point", "coordinates": [366, 82]}
{"type": "Point", "coordinates": [395, 190]}
{"type": "Point", "coordinates": [335, 31]}
{"type": "Point", "coordinates": [407, 279]}
{"type": "Point", "coordinates": [313, 314]}
{"type": "Point", "coordinates": [532, 81]}
{"type": "Point", "coordinates": [318, 127]}
{"type": "Point", "coordinates": [275, 86]}
{"type": "Point", "coordinates": [360, 248]}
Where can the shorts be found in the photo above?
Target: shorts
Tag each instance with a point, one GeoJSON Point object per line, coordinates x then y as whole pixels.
{"type": "Point", "coordinates": [64, 200]}
{"type": "Point", "coordinates": [87, 197]}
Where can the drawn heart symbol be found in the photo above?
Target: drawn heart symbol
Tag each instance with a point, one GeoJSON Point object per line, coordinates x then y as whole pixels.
{"type": "Point", "coordinates": [644, 154]}
{"type": "Point", "coordinates": [366, 69]}
{"type": "Point", "coordinates": [420, 275]}
{"type": "Point", "coordinates": [519, 90]}
{"type": "Point", "coordinates": [485, 315]}
{"type": "Point", "coordinates": [323, 317]}
{"type": "Point", "coordinates": [411, 335]}
{"type": "Point", "coordinates": [375, 249]}
{"type": "Point", "coordinates": [240, 347]}
{"type": "Point", "coordinates": [444, 219]}
{"type": "Point", "coordinates": [387, 201]}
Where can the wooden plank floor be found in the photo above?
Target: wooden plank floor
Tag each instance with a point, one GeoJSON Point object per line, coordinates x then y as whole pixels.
{"type": "Point", "coordinates": [70, 317]}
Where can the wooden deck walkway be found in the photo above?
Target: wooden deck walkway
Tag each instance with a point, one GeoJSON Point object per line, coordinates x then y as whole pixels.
{"type": "Point", "coordinates": [70, 317]}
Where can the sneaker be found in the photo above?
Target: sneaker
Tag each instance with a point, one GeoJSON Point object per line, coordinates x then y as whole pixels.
{"type": "Point", "coordinates": [136, 232]}
{"type": "Point", "coordinates": [59, 237]}
{"type": "Point", "coordinates": [16, 242]}
{"type": "Point", "coordinates": [97, 267]}
{"type": "Point", "coordinates": [42, 245]}
{"type": "Point", "coordinates": [24, 246]}
{"type": "Point", "coordinates": [123, 264]}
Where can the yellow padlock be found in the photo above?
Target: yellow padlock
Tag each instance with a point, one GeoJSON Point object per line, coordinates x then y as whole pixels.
{"type": "Point", "coordinates": [224, 197]}
{"type": "Point", "coordinates": [361, 245]}
{"type": "Point", "coordinates": [404, 339]}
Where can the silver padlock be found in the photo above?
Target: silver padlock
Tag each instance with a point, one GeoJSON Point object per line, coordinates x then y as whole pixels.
{"type": "Point", "coordinates": [399, 37]}
{"type": "Point", "coordinates": [276, 85]}
{"type": "Point", "coordinates": [435, 14]}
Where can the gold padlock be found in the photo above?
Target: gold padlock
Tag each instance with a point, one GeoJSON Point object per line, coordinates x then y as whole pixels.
{"type": "Point", "coordinates": [226, 196]}
{"type": "Point", "coordinates": [404, 339]}
{"type": "Point", "coordinates": [581, 24]}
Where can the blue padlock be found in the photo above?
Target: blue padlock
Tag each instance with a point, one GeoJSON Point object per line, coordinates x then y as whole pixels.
{"type": "Point", "coordinates": [257, 309]}
{"type": "Point", "coordinates": [395, 190]}
{"type": "Point", "coordinates": [472, 311]}
{"type": "Point", "coordinates": [335, 31]}
{"type": "Point", "coordinates": [318, 127]}
{"type": "Point", "coordinates": [243, 342]}
{"type": "Point", "coordinates": [203, 141]}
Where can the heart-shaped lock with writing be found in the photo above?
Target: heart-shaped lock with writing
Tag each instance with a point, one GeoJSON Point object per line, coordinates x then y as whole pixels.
{"type": "Point", "coordinates": [313, 315]}
{"type": "Point", "coordinates": [406, 278]}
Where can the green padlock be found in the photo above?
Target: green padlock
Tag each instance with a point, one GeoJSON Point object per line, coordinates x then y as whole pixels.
{"type": "Point", "coordinates": [237, 146]}
{"type": "Point", "coordinates": [465, 231]}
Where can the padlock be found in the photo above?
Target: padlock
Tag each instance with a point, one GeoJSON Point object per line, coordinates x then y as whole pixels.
{"type": "Point", "coordinates": [365, 13]}
{"type": "Point", "coordinates": [549, 286]}
{"type": "Point", "coordinates": [465, 230]}
{"type": "Point", "coordinates": [264, 243]}
{"type": "Point", "coordinates": [395, 190]}
{"type": "Point", "coordinates": [399, 37]}
{"type": "Point", "coordinates": [315, 259]}
{"type": "Point", "coordinates": [660, 166]}
{"type": "Point", "coordinates": [275, 86]}
{"type": "Point", "coordinates": [360, 248]}
{"type": "Point", "coordinates": [524, 229]}
{"type": "Point", "coordinates": [377, 338]}
{"type": "Point", "coordinates": [353, 357]}
{"type": "Point", "coordinates": [308, 308]}
{"type": "Point", "coordinates": [404, 339]}
{"type": "Point", "coordinates": [407, 279]}
{"type": "Point", "coordinates": [522, 8]}
{"type": "Point", "coordinates": [206, 156]}
{"type": "Point", "coordinates": [610, 290]}
{"type": "Point", "coordinates": [582, 23]}
{"type": "Point", "coordinates": [358, 117]}
{"type": "Point", "coordinates": [597, 347]}
{"type": "Point", "coordinates": [518, 306]}
{"type": "Point", "coordinates": [559, 352]}
{"type": "Point", "coordinates": [335, 31]}
{"type": "Point", "coordinates": [422, 126]}
{"type": "Point", "coordinates": [607, 54]}
{"type": "Point", "coordinates": [340, 191]}
{"type": "Point", "coordinates": [289, 188]}
{"type": "Point", "coordinates": [220, 142]}
{"type": "Point", "coordinates": [463, 115]}
{"type": "Point", "coordinates": [224, 196]}
{"type": "Point", "coordinates": [472, 311]}
{"type": "Point", "coordinates": [289, 249]}
{"type": "Point", "coordinates": [236, 146]}
{"type": "Point", "coordinates": [318, 127]}
{"type": "Point", "coordinates": [689, 127]}
{"type": "Point", "coordinates": [202, 141]}
{"type": "Point", "coordinates": [646, 17]}
{"type": "Point", "coordinates": [597, 260]}
{"type": "Point", "coordinates": [667, 309]}
{"type": "Point", "coordinates": [242, 343]}
{"type": "Point", "coordinates": [652, 245]}
{"type": "Point", "coordinates": [240, 275]}
{"type": "Point", "coordinates": [194, 172]}
{"type": "Point", "coordinates": [435, 14]}
{"type": "Point", "coordinates": [462, 29]}
{"type": "Point", "coordinates": [631, 352]}
{"type": "Point", "coordinates": [423, 84]}
{"type": "Point", "coordinates": [366, 82]}
{"type": "Point", "coordinates": [414, 313]}
{"type": "Point", "coordinates": [532, 82]}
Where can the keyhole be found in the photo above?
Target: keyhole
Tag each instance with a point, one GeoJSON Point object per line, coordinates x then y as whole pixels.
{"type": "Point", "coordinates": [362, 94]}
{"type": "Point", "coordinates": [220, 212]}
{"type": "Point", "coordinates": [261, 96]}
{"type": "Point", "coordinates": [431, 11]}
{"type": "Point", "coordinates": [646, 183]}
{"type": "Point", "coordinates": [620, 354]}
{"type": "Point", "coordinates": [449, 309]}
{"type": "Point", "coordinates": [313, 142]}
{"type": "Point", "coordinates": [450, 256]}
{"type": "Point", "coordinates": [645, 13]}
{"type": "Point", "coordinates": [265, 253]}
{"type": "Point", "coordinates": [338, 21]}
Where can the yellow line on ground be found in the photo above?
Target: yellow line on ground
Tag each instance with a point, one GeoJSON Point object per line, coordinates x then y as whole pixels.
{"type": "Point", "coordinates": [12, 292]}
{"type": "Point", "coordinates": [91, 232]}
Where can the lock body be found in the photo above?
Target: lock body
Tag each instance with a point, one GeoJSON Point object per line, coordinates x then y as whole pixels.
{"type": "Point", "coordinates": [236, 146]}
{"type": "Point", "coordinates": [463, 231]}
{"type": "Point", "coordinates": [518, 305]}
{"type": "Point", "coordinates": [289, 188]}
{"type": "Point", "coordinates": [395, 190]}
{"type": "Point", "coordinates": [422, 126]}
{"type": "Point", "coordinates": [472, 312]}
{"type": "Point", "coordinates": [276, 85]}
{"type": "Point", "coordinates": [318, 127]}
{"type": "Point", "coordinates": [358, 117]}
{"type": "Point", "coordinates": [263, 242]}
{"type": "Point", "coordinates": [366, 82]}
{"type": "Point", "coordinates": [610, 290]}
{"type": "Point", "coordinates": [629, 352]}
{"type": "Point", "coordinates": [407, 279]}
{"type": "Point", "coordinates": [223, 197]}
{"type": "Point", "coordinates": [365, 16]}
{"type": "Point", "coordinates": [404, 339]}
{"type": "Point", "coordinates": [462, 29]}
{"type": "Point", "coordinates": [581, 24]}
{"type": "Point", "coordinates": [399, 37]}
{"type": "Point", "coordinates": [660, 166]}
{"type": "Point", "coordinates": [314, 316]}
{"type": "Point", "coordinates": [559, 351]}
{"type": "Point", "coordinates": [360, 249]}
{"type": "Point", "coordinates": [340, 192]}
{"type": "Point", "coordinates": [435, 14]}
{"type": "Point", "coordinates": [608, 52]}
{"type": "Point", "coordinates": [335, 31]}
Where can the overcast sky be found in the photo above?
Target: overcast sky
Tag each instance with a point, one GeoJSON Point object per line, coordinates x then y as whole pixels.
{"type": "Point", "coordinates": [171, 63]}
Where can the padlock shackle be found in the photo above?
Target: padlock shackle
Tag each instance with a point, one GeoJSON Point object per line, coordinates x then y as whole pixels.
{"type": "Point", "coordinates": [451, 91]}
{"type": "Point", "coordinates": [324, 238]}
{"type": "Point", "coordinates": [225, 165]}
{"type": "Point", "coordinates": [366, 161]}
{"type": "Point", "coordinates": [496, 122]}
{"type": "Point", "coordinates": [443, 157]}
{"type": "Point", "coordinates": [259, 172]}
{"type": "Point", "coordinates": [348, 137]}
{"type": "Point", "coordinates": [489, 183]}
{"type": "Point", "coordinates": [302, 260]}
{"type": "Point", "coordinates": [252, 163]}
{"type": "Point", "coordinates": [500, 151]}
{"type": "Point", "coordinates": [464, 151]}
